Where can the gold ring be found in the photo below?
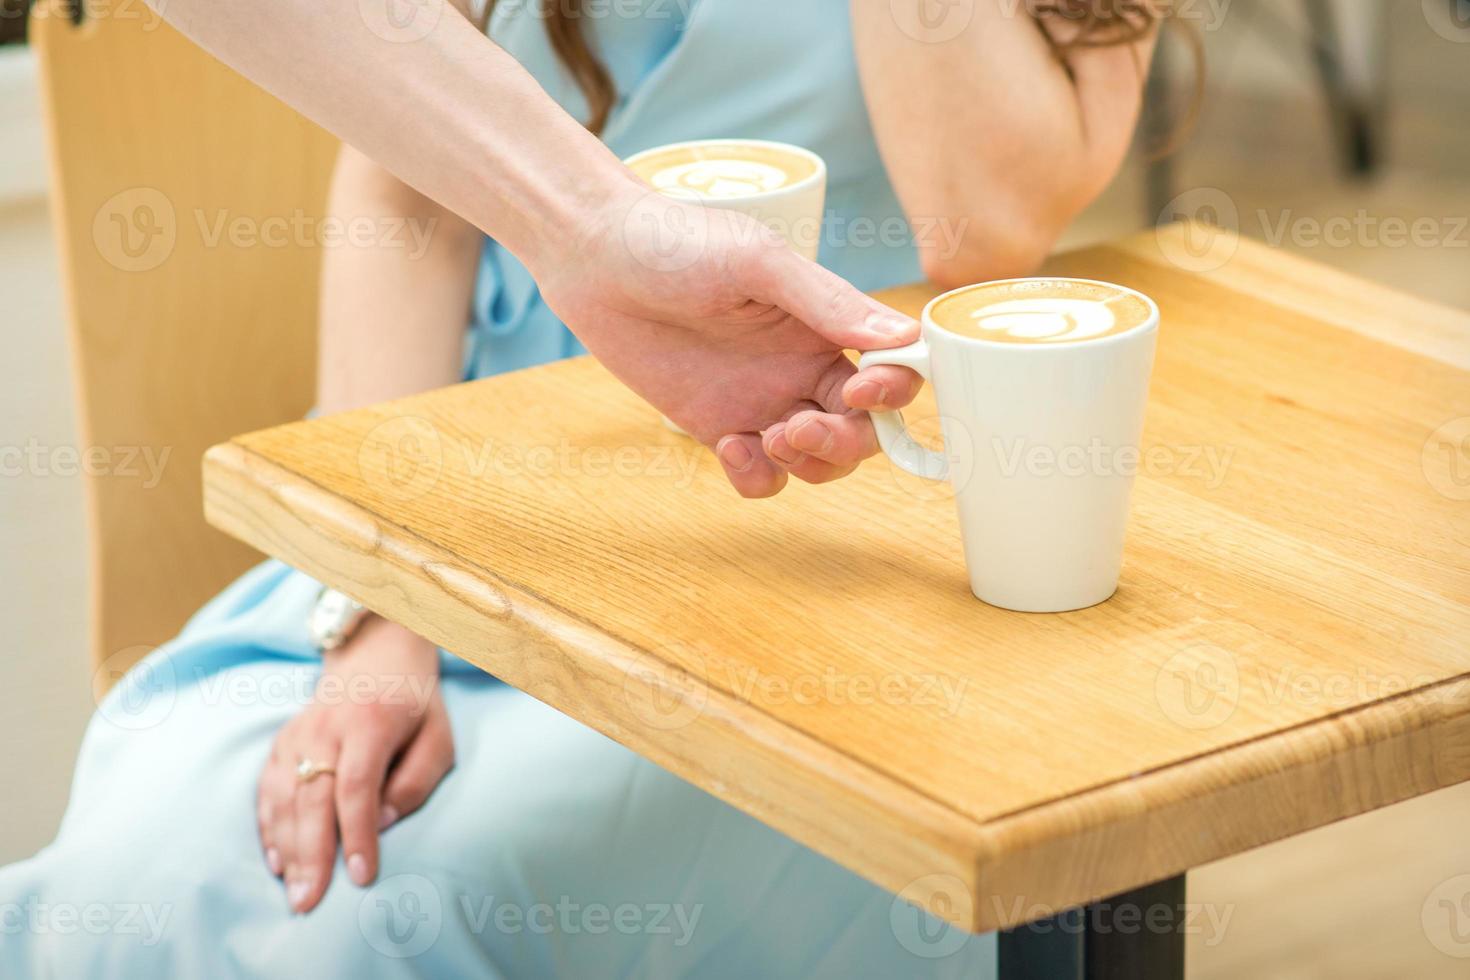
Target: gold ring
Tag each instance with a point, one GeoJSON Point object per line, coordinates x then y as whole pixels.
{"type": "Point", "coordinates": [306, 770]}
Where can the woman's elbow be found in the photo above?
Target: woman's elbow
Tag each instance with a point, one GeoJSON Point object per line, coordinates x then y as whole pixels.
{"type": "Point", "coordinates": [972, 253]}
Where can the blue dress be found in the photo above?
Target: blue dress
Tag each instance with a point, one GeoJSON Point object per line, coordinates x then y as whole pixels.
{"type": "Point", "coordinates": [550, 850]}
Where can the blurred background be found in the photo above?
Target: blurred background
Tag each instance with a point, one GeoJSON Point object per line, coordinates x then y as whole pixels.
{"type": "Point", "coordinates": [1328, 129]}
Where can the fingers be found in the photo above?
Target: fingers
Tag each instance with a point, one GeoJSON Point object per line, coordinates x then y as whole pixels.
{"type": "Point", "coordinates": [827, 303]}
{"type": "Point", "coordinates": [276, 815]}
{"type": "Point", "coordinates": [883, 387]}
{"type": "Point", "coordinates": [820, 446]}
{"type": "Point", "coordinates": [844, 440]}
{"type": "Point", "coordinates": [808, 469]}
{"type": "Point", "coordinates": [309, 869]}
{"type": "Point", "coordinates": [423, 765]}
{"type": "Point", "coordinates": [747, 466]}
{"type": "Point", "coordinates": [359, 787]}
{"type": "Point", "coordinates": [352, 743]}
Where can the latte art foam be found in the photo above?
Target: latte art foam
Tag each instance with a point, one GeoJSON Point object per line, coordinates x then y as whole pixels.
{"type": "Point", "coordinates": [721, 171]}
{"type": "Point", "coordinates": [1045, 319]}
{"type": "Point", "coordinates": [719, 179]}
{"type": "Point", "coordinates": [1040, 311]}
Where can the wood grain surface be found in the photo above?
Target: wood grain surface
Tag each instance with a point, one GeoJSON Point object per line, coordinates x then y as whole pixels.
{"type": "Point", "coordinates": [1290, 644]}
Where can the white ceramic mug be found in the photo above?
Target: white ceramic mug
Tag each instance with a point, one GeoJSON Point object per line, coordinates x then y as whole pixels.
{"type": "Point", "coordinates": [1041, 444]}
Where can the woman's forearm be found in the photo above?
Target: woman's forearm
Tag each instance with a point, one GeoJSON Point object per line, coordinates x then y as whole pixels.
{"type": "Point", "coordinates": [393, 307]}
{"type": "Point", "coordinates": [989, 131]}
{"type": "Point", "coordinates": [429, 97]}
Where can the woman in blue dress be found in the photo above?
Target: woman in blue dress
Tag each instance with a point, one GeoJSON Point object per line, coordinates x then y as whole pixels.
{"type": "Point", "coordinates": [466, 829]}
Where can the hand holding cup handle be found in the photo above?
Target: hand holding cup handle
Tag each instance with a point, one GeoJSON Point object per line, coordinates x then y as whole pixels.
{"type": "Point", "coordinates": [893, 435]}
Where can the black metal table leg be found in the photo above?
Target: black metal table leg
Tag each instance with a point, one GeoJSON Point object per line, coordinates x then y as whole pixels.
{"type": "Point", "coordinates": [1049, 949]}
{"type": "Point", "coordinates": [1138, 935]}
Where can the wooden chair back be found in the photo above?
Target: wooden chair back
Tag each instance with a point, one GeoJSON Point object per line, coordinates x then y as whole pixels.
{"type": "Point", "coordinates": [186, 203]}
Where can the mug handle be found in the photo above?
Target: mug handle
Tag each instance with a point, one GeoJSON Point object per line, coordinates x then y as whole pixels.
{"type": "Point", "coordinates": [893, 435]}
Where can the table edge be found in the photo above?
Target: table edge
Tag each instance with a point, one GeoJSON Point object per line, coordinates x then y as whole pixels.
{"type": "Point", "coordinates": [1233, 799]}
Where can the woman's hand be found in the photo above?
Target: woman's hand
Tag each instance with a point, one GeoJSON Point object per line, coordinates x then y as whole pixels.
{"type": "Point", "coordinates": [379, 721]}
{"type": "Point", "coordinates": [712, 319]}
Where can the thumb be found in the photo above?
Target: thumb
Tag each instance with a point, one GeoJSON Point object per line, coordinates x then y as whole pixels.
{"type": "Point", "coordinates": [828, 304]}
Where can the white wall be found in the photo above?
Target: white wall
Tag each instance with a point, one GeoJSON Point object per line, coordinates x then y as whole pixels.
{"type": "Point", "coordinates": [23, 162]}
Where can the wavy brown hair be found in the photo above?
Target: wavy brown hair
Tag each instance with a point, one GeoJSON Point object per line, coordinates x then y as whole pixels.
{"type": "Point", "coordinates": [1066, 24]}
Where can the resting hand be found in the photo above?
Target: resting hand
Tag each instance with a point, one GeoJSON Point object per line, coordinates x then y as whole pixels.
{"type": "Point", "coordinates": [379, 721]}
{"type": "Point", "coordinates": [708, 316]}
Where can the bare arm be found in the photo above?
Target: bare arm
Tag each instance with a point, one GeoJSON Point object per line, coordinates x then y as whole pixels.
{"type": "Point", "coordinates": [394, 312]}
{"type": "Point", "coordinates": [430, 98]}
{"type": "Point", "coordinates": [990, 129]}
{"type": "Point", "coordinates": [731, 340]}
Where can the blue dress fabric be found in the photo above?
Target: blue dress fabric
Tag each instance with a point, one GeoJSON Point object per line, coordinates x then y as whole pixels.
{"type": "Point", "coordinates": [550, 850]}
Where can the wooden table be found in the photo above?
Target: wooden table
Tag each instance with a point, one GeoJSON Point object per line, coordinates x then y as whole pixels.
{"type": "Point", "coordinates": [1290, 644]}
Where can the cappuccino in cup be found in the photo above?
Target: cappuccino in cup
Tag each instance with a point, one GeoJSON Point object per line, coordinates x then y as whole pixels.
{"type": "Point", "coordinates": [782, 186]}
{"type": "Point", "coordinates": [1041, 386]}
{"type": "Point", "coordinates": [724, 170]}
{"type": "Point", "coordinates": [1041, 311]}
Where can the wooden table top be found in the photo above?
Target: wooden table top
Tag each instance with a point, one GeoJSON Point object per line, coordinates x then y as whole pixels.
{"type": "Point", "coordinates": [1290, 643]}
